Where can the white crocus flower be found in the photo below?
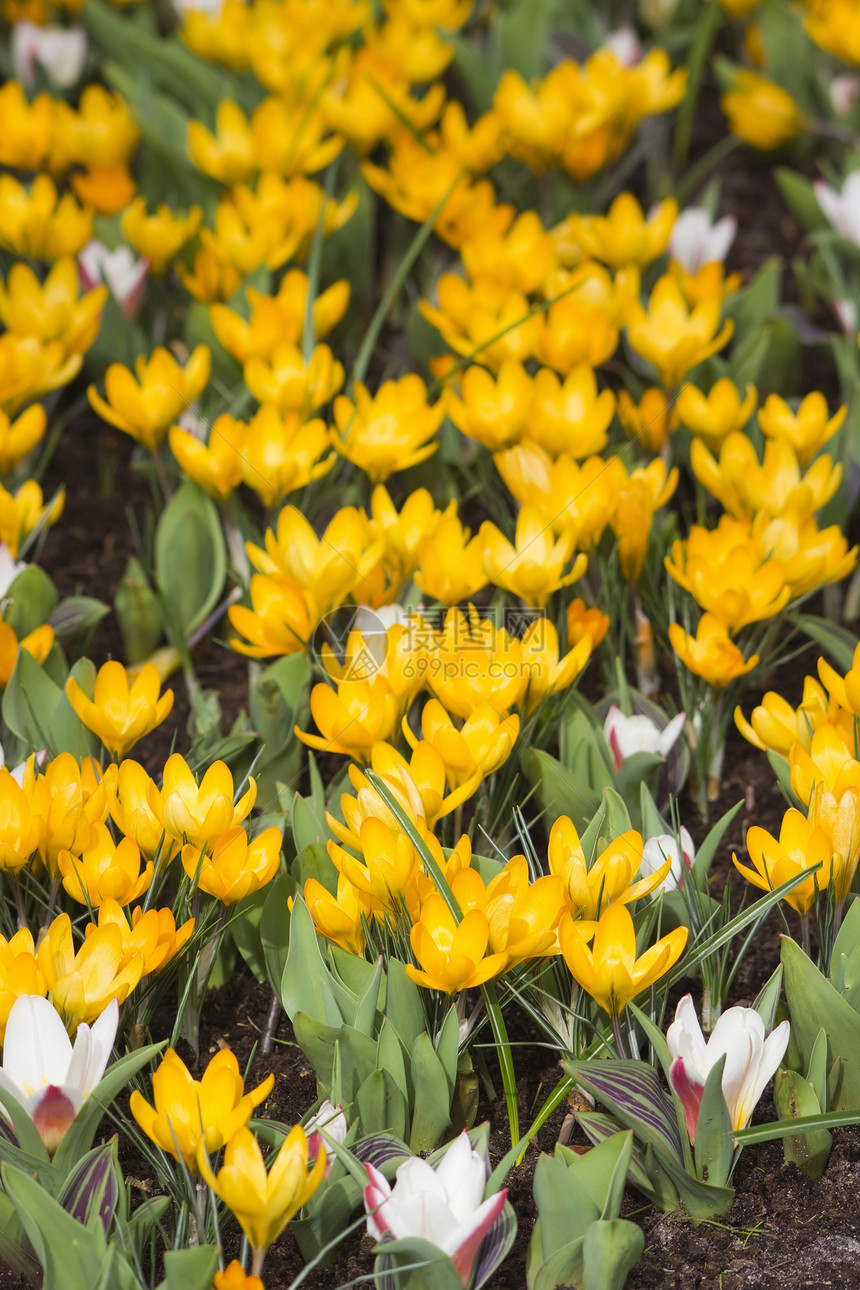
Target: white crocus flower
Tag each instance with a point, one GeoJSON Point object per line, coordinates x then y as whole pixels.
{"type": "Point", "coordinates": [61, 52]}
{"type": "Point", "coordinates": [9, 568]}
{"type": "Point", "coordinates": [629, 735]}
{"type": "Point", "coordinates": [42, 1070]}
{"type": "Point", "coordinates": [695, 241]}
{"type": "Point", "coordinates": [842, 210]}
{"type": "Point", "coordinates": [332, 1121]}
{"type": "Point", "coordinates": [124, 274]}
{"type": "Point", "coordinates": [624, 44]}
{"type": "Point", "coordinates": [843, 90]}
{"type": "Point", "coordinates": [846, 312]}
{"type": "Point", "coordinates": [751, 1060]}
{"type": "Point", "coordinates": [656, 851]}
{"type": "Point", "coordinates": [442, 1205]}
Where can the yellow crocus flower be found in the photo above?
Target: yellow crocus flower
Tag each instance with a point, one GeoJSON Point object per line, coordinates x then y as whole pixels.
{"type": "Point", "coordinates": [672, 336]}
{"type": "Point", "coordinates": [639, 497]}
{"type": "Point", "coordinates": [228, 154]}
{"type": "Point", "coordinates": [522, 915]}
{"type": "Point", "coordinates": [450, 565]}
{"type": "Point", "coordinates": [159, 237]}
{"type": "Point", "coordinates": [353, 717]}
{"type": "Point", "coordinates": [279, 319]}
{"type": "Point", "coordinates": [21, 829]}
{"type": "Point", "coordinates": [235, 868]}
{"type": "Point", "coordinates": [30, 367]}
{"type": "Point", "coordinates": [569, 417]}
{"type": "Point", "coordinates": [610, 971]}
{"type": "Point", "coordinates": [339, 917]}
{"type": "Point", "coordinates": [727, 574]}
{"type": "Point", "coordinates": [480, 322]}
{"type": "Point", "coordinates": [579, 498]}
{"type": "Point", "coordinates": [105, 189]}
{"type": "Point", "coordinates": [388, 431]}
{"type": "Point", "coordinates": [483, 743]}
{"type": "Point", "coordinates": [189, 1112]}
{"type": "Point", "coordinates": [530, 567]}
{"type": "Point", "coordinates": [519, 259]}
{"type": "Point", "coordinates": [153, 934]}
{"type": "Point", "coordinates": [144, 403]}
{"type": "Point", "coordinates": [588, 890]}
{"type": "Point", "coordinates": [69, 799]}
{"type": "Point", "coordinates": [582, 622]}
{"type": "Point", "coordinates": [290, 383]}
{"type": "Point", "coordinates": [19, 973]}
{"type": "Point", "coordinates": [27, 127]}
{"type": "Point", "coordinates": [625, 235]}
{"type": "Point", "coordinates": [714, 416]}
{"type": "Point", "coordinates": [19, 437]}
{"type": "Point", "coordinates": [22, 511]}
{"type": "Point", "coordinates": [217, 465]}
{"type": "Point", "coordinates": [581, 326]}
{"type": "Point", "coordinates": [810, 557]}
{"type": "Point", "coordinates": [104, 870]}
{"type": "Point", "coordinates": [38, 643]}
{"type": "Point", "coordinates": [807, 430]}
{"type": "Point", "coordinates": [453, 956]}
{"type": "Point", "coordinates": [328, 568]}
{"type": "Point", "coordinates": [264, 1202]}
{"type": "Point", "coordinates": [645, 423]}
{"type": "Point", "coordinates": [760, 112]}
{"type": "Point", "coordinates": [279, 452]}
{"type": "Point", "coordinates": [828, 761]}
{"type": "Point", "coordinates": [842, 690]}
{"type": "Point", "coordinates": [101, 132]}
{"type": "Point", "coordinates": [801, 846]}
{"type": "Point", "coordinates": [52, 311]}
{"type": "Point", "coordinates": [38, 225]}
{"type": "Point", "coordinates": [212, 278]}
{"type": "Point", "coordinates": [83, 983]}
{"type": "Point", "coordinates": [492, 409]}
{"type": "Point", "coordinates": [119, 713]}
{"type": "Point", "coordinates": [776, 486]}
{"type": "Point", "coordinates": [473, 662]}
{"type": "Point", "coordinates": [280, 620]}
{"type": "Point", "coordinates": [711, 653]}
{"type": "Point", "coordinates": [131, 794]}
{"type": "Point", "coordinates": [776, 725]}
{"type": "Point", "coordinates": [547, 672]}
{"type": "Point", "coordinates": [403, 532]}
{"type": "Point", "coordinates": [194, 813]}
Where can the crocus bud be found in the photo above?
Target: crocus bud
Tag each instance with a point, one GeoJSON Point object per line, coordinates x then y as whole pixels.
{"type": "Point", "coordinates": [60, 52]}
{"type": "Point", "coordinates": [656, 851]}
{"type": "Point", "coordinates": [124, 275]}
{"type": "Point", "coordinates": [695, 241]}
{"type": "Point", "coordinates": [629, 735]}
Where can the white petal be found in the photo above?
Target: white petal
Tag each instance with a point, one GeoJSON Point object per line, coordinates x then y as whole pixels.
{"type": "Point", "coordinates": [37, 1050]}
{"type": "Point", "coordinates": [720, 239]}
{"type": "Point", "coordinates": [89, 1061]}
{"type": "Point", "coordinates": [684, 1037]}
{"type": "Point", "coordinates": [669, 737]}
{"type": "Point", "coordinates": [655, 852]}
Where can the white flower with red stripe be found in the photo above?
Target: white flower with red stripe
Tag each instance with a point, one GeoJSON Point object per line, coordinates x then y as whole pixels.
{"type": "Point", "coordinates": [751, 1060]}
{"type": "Point", "coordinates": [42, 1070]}
{"type": "Point", "coordinates": [443, 1204]}
{"type": "Point", "coordinates": [629, 735]}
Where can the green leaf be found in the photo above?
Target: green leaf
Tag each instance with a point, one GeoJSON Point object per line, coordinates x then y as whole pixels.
{"type": "Point", "coordinates": [799, 195]}
{"type": "Point", "coordinates": [611, 820]}
{"type": "Point", "coordinates": [390, 1057]}
{"type": "Point", "coordinates": [713, 1147]}
{"type": "Point", "coordinates": [33, 599]}
{"type": "Point", "coordinates": [631, 1091]}
{"type": "Point", "coordinates": [794, 1097]}
{"type": "Point", "coordinates": [768, 997]}
{"type": "Point", "coordinates": [812, 1003]}
{"type": "Point", "coordinates": [414, 1264]}
{"type": "Point", "coordinates": [190, 559]}
{"type": "Point", "coordinates": [403, 1006]}
{"type": "Point", "coordinates": [706, 852]}
{"type": "Point", "coordinates": [308, 827]}
{"type": "Point", "coordinates": [519, 34]}
{"type": "Point", "coordinates": [191, 1269]}
{"type": "Point", "coordinates": [69, 1253]}
{"type": "Point", "coordinates": [610, 1250]}
{"type": "Point", "coordinates": [38, 712]}
{"type": "Point", "coordinates": [306, 984]}
{"type": "Point", "coordinates": [837, 642]}
{"type": "Point", "coordinates": [558, 790]}
{"type": "Point", "coordinates": [381, 1105]}
{"type": "Point", "coordinates": [431, 1112]}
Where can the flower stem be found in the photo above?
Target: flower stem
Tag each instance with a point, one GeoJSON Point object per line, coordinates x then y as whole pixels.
{"type": "Point", "coordinates": [619, 1037]}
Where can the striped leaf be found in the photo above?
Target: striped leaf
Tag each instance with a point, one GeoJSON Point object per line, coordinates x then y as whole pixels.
{"type": "Point", "coordinates": [598, 1128]}
{"type": "Point", "coordinates": [632, 1092]}
{"type": "Point", "coordinates": [380, 1150]}
{"type": "Point", "coordinates": [92, 1188]}
{"type": "Point", "coordinates": [496, 1246]}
